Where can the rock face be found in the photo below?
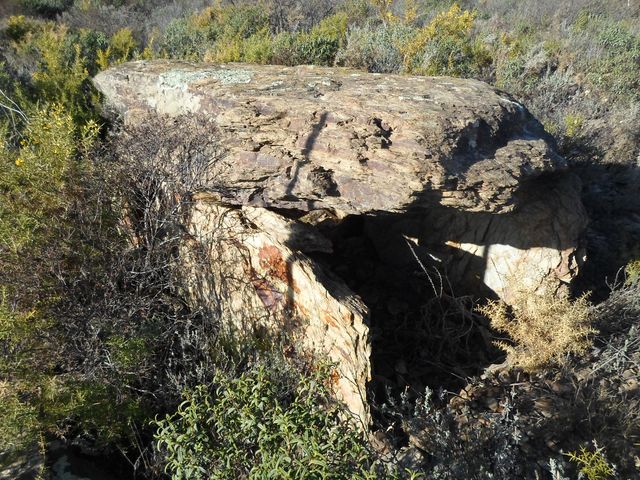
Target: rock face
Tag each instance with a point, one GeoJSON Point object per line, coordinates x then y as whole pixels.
{"type": "Point", "coordinates": [251, 263]}
{"type": "Point", "coordinates": [445, 171]}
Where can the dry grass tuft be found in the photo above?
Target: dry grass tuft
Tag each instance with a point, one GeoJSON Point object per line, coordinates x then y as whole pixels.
{"type": "Point", "coordinates": [544, 327]}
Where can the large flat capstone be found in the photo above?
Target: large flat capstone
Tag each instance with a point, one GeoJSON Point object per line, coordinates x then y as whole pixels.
{"type": "Point", "coordinates": [329, 138]}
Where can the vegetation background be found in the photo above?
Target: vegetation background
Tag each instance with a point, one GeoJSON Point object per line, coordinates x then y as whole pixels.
{"type": "Point", "coordinates": [98, 347]}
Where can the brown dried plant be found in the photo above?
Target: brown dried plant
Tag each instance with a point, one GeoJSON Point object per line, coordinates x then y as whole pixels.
{"type": "Point", "coordinates": [544, 327]}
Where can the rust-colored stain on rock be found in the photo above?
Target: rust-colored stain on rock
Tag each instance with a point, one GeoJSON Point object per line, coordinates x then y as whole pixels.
{"type": "Point", "coordinates": [271, 261]}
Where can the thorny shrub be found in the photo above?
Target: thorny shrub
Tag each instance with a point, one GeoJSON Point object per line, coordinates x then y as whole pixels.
{"type": "Point", "coordinates": [593, 464]}
{"type": "Point", "coordinates": [544, 327]}
{"type": "Point", "coordinates": [122, 47]}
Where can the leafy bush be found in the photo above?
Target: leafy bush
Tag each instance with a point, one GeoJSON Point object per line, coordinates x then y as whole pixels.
{"type": "Point", "coordinates": [359, 12]}
{"type": "Point", "coordinates": [61, 76]}
{"type": "Point", "coordinates": [510, 63]}
{"type": "Point", "coordinates": [217, 33]}
{"type": "Point", "coordinates": [87, 344]}
{"type": "Point", "coordinates": [545, 327]}
{"type": "Point", "coordinates": [99, 17]}
{"type": "Point", "coordinates": [241, 23]}
{"type": "Point", "coordinates": [573, 124]}
{"type": "Point", "coordinates": [283, 49]}
{"type": "Point", "coordinates": [632, 271]}
{"type": "Point", "coordinates": [33, 191]}
{"type": "Point", "coordinates": [259, 47]}
{"type": "Point", "coordinates": [267, 423]}
{"type": "Point", "coordinates": [243, 35]}
{"type": "Point", "coordinates": [384, 9]}
{"type": "Point", "coordinates": [19, 426]}
{"type": "Point", "coordinates": [91, 43]}
{"type": "Point", "coordinates": [300, 15]}
{"type": "Point", "coordinates": [34, 178]}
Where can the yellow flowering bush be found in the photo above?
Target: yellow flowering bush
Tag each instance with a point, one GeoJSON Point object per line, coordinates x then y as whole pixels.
{"type": "Point", "coordinates": [384, 9]}
{"type": "Point", "coordinates": [445, 46]}
{"type": "Point", "coordinates": [122, 47]}
{"type": "Point", "coordinates": [18, 26]}
{"type": "Point", "coordinates": [32, 188]}
{"type": "Point", "coordinates": [58, 80]}
{"type": "Point", "coordinates": [37, 174]}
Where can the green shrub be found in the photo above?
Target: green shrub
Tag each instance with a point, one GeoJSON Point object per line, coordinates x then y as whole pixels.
{"type": "Point", "coordinates": [218, 34]}
{"type": "Point", "coordinates": [632, 272]}
{"type": "Point", "coordinates": [359, 12]}
{"type": "Point", "coordinates": [128, 353]}
{"type": "Point", "coordinates": [19, 425]}
{"type": "Point", "coordinates": [25, 385]}
{"type": "Point", "coordinates": [243, 34]}
{"type": "Point", "coordinates": [33, 179]}
{"type": "Point", "coordinates": [183, 40]}
{"type": "Point", "coordinates": [384, 9]}
{"type": "Point", "coordinates": [61, 76]}
{"type": "Point", "coordinates": [267, 423]}
{"type": "Point", "coordinates": [608, 51]}
{"type": "Point", "coordinates": [62, 80]}
{"type": "Point", "coordinates": [573, 124]}
{"type": "Point", "coordinates": [47, 8]}
{"type": "Point", "coordinates": [225, 52]}
{"type": "Point", "coordinates": [513, 51]}
{"type": "Point", "coordinates": [33, 199]}
{"type": "Point", "coordinates": [242, 22]}
{"type": "Point", "coordinates": [51, 404]}
{"type": "Point", "coordinates": [91, 43]}
{"type": "Point", "coordinates": [376, 48]}
{"type": "Point", "coordinates": [316, 47]}
{"type": "Point", "coordinates": [622, 47]}
{"type": "Point", "coordinates": [321, 44]}
{"type": "Point", "coordinates": [34, 195]}
{"type": "Point", "coordinates": [259, 47]}
{"type": "Point", "coordinates": [97, 408]}
{"type": "Point", "coordinates": [283, 49]}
